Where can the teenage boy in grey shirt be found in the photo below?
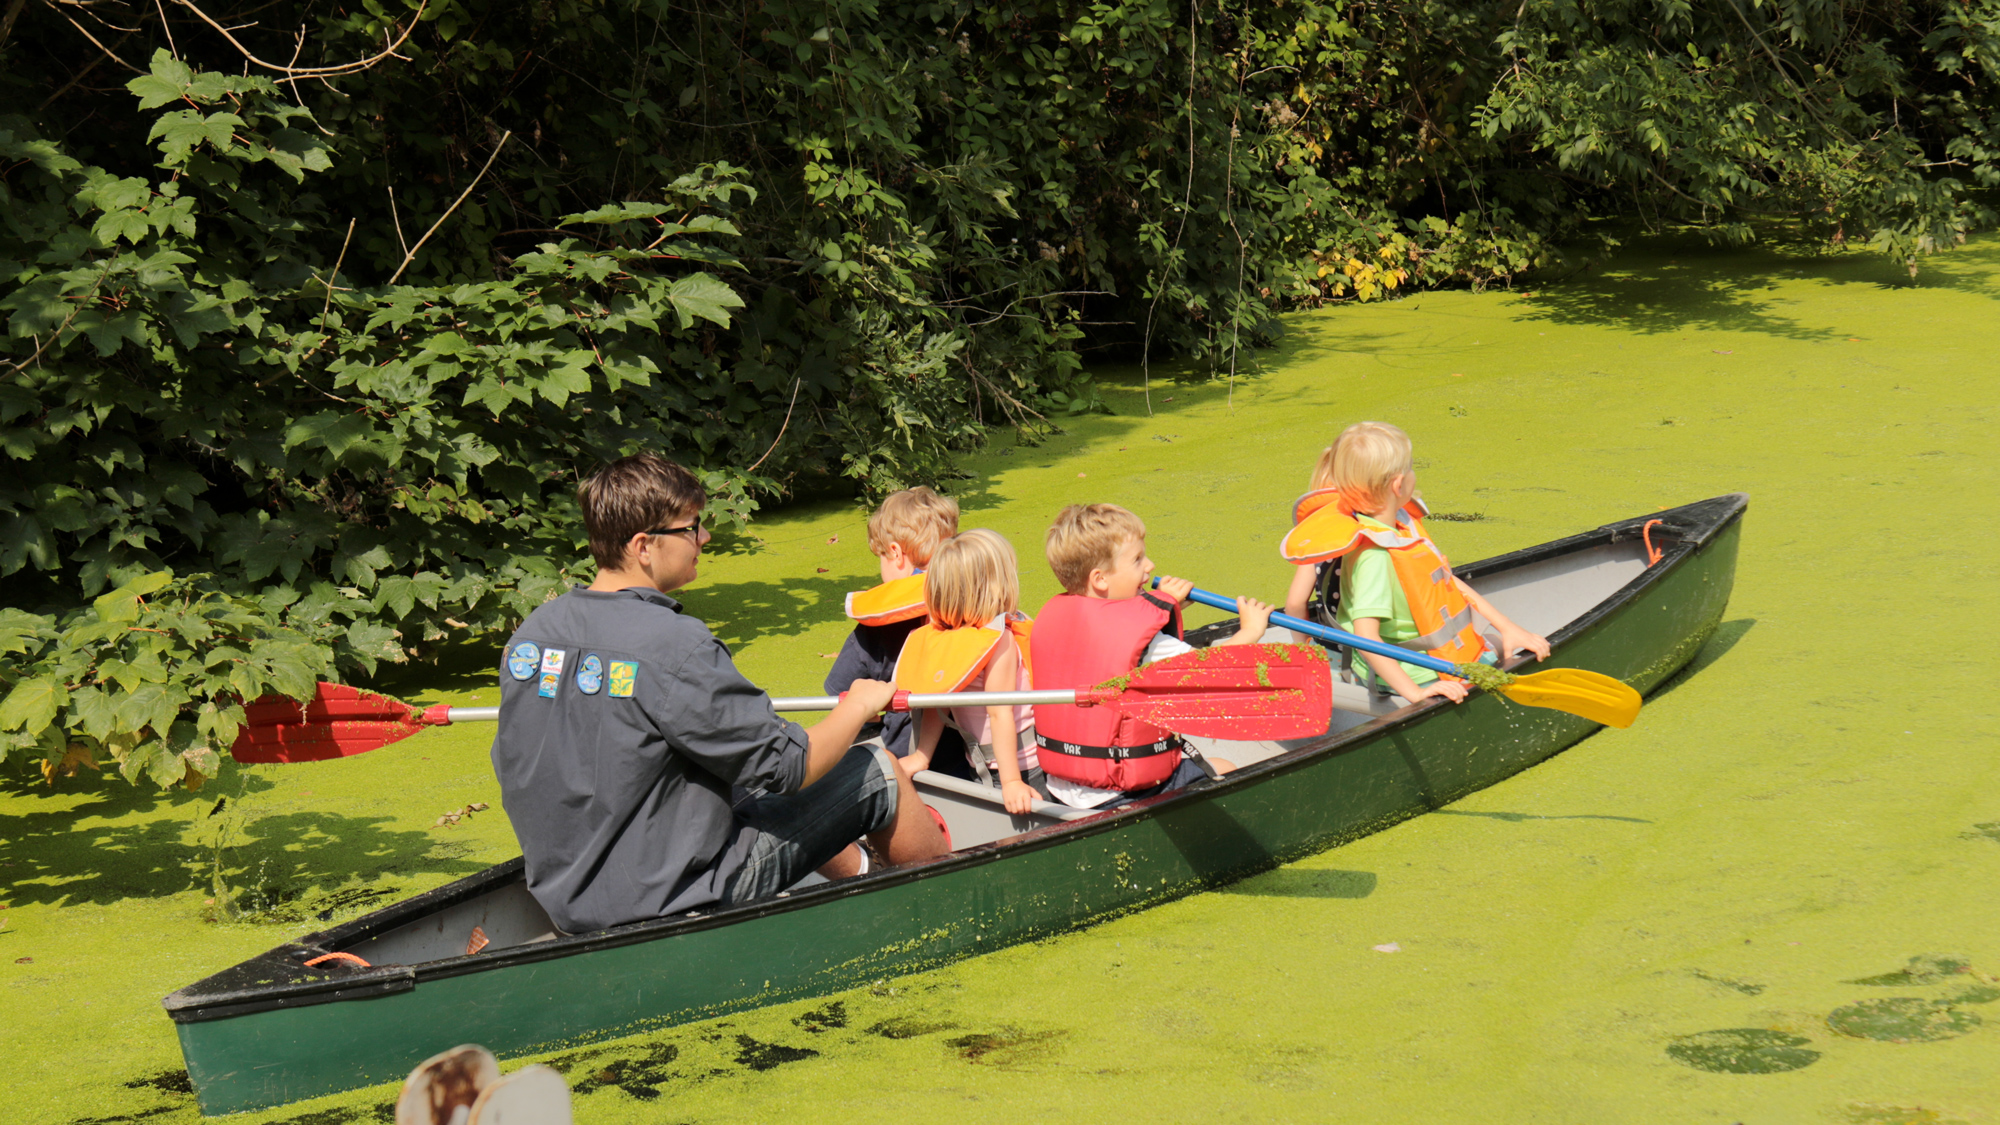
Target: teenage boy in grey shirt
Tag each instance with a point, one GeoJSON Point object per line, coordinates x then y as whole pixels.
{"type": "Point", "coordinates": [624, 724]}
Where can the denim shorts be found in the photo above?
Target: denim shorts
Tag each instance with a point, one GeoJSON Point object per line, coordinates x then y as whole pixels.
{"type": "Point", "coordinates": [794, 834]}
{"type": "Point", "coordinates": [1185, 774]}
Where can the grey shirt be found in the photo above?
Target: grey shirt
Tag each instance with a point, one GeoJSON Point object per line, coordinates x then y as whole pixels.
{"type": "Point", "coordinates": [623, 725]}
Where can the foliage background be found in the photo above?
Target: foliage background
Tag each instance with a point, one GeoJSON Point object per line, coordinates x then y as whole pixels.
{"type": "Point", "coordinates": [317, 313]}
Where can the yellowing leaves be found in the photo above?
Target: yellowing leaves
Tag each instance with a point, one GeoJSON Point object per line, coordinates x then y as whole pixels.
{"type": "Point", "coordinates": [1366, 275]}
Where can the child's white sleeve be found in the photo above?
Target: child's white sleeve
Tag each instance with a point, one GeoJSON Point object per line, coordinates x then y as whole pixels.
{"type": "Point", "coordinates": [1164, 646]}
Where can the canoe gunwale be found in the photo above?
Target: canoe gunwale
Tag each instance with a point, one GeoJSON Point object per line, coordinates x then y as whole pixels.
{"type": "Point", "coordinates": [1684, 531]}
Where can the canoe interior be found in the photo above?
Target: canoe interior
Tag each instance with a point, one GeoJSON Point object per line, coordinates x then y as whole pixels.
{"type": "Point", "coordinates": [1542, 595]}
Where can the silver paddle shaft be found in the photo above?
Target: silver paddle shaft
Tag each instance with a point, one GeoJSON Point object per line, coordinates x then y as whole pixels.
{"type": "Point", "coordinates": [828, 702]}
{"type": "Point", "coordinates": [905, 701]}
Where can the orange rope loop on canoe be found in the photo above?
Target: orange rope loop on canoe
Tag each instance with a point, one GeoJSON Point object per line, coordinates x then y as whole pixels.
{"type": "Point", "coordinates": [339, 957]}
{"type": "Point", "coordinates": [1653, 554]}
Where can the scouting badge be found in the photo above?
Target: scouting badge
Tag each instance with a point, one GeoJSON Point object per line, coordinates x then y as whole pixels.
{"type": "Point", "coordinates": [624, 673]}
{"type": "Point", "coordinates": [590, 675]}
{"type": "Point", "coordinates": [552, 662]}
{"type": "Point", "coordinates": [522, 661]}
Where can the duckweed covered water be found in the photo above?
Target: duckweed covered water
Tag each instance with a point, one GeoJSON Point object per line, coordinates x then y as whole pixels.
{"type": "Point", "coordinates": [1485, 677]}
{"type": "Point", "coordinates": [1688, 920]}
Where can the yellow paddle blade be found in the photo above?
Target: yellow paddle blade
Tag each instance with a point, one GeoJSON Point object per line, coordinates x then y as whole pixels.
{"type": "Point", "coordinates": [1592, 695]}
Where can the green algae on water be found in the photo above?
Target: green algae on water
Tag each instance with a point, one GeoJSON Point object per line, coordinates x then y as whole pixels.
{"type": "Point", "coordinates": [1486, 677]}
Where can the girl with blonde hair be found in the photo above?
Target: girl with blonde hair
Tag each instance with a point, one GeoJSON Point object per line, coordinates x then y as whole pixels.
{"type": "Point", "coordinates": [975, 640]}
{"type": "Point", "coordinates": [1359, 539]}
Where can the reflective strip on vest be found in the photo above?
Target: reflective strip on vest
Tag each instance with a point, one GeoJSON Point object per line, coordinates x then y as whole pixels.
{"type": "Point", "coordinates": [1442, 635]}
{"type": "Point", "coordinates": [1165, 745]}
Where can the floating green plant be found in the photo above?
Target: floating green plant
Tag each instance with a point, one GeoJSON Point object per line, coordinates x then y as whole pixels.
{"type": "Point", "coordinates": [1743, 1050]}
{"type": "Point", "coordinates": [1902, 1019]}
{"type": "Point", "coordinates": [1486, 677]}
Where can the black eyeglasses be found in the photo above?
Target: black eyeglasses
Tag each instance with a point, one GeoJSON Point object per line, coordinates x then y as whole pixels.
{"type": "Point", "coordinates": [693, 531]}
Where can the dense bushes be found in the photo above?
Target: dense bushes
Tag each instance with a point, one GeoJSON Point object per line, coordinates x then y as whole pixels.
{"type": "Point", "coordinates": [328, 311]}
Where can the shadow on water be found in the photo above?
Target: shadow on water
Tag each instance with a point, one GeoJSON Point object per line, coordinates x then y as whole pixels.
{"type": "Point", "coordinates": [1727, 636]}
{"type": "Point", "coordinates": [1518, 817]}
{"type": "Point", "coordinates": [1293, 882]}
{"type": "Point", "coordinates": [1679, 285]}
{"type": "Point", "coordinates": [741, 612]}
{"type": "Point", "coordinates": [1669, 297]}
{"type": "Point", "coordinates": [282, 857]}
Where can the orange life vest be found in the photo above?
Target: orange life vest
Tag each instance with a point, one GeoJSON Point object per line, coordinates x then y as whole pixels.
{"type": "Point", "coordinates": [946, 660]}
{"type": "Point", "coordinates": [1326, 527]}
{"type": "Point", "coordinates": [900, 600]}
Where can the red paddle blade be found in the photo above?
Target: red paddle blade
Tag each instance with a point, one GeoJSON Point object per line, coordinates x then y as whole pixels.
{"type": "Point", "coordinates": [337, 722]}
{"type": "Point", "coordinates": [1244, 693]}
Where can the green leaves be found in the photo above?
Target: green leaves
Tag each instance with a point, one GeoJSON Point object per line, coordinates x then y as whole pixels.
{"type": "Point", "coordinates": [153, 674]}
{"type": "Point", "coordinates": [32, 705]}
{"type": "Point", "coordinates": [702, 296]}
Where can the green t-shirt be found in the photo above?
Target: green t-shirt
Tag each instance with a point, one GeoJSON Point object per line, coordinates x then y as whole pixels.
{"type": "Point", "coordinates": [1368, 588]}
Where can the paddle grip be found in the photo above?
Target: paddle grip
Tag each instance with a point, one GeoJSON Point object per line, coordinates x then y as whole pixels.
{"type": "Point", "coordinates": [1327, 633]}
{"type": "Point", "coordinates": [898, 703]}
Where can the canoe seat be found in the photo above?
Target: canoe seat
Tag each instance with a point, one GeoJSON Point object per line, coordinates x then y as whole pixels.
{"type": "Point", "coordinates": [977, 815]}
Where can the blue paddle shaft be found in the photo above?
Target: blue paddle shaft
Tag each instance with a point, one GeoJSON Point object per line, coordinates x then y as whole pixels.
{"type": "Point", "coordinates": [1325, 633]}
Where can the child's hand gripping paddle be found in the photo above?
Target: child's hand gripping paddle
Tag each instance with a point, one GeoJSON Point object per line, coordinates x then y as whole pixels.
{"type": "Point", "coordinates": [1592, 695]}
{"type": "Point", "coordinates": [1240, 692]}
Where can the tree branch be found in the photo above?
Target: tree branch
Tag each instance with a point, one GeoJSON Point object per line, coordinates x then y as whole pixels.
{"type": "Point", "coordinates": [7, 21]}
{"type": "Point", "coordinates": [93, 39]}
{"type": "Point", "coordinates": [309, 71]}
{"type": "Point", "coordinates": [411, 256]}
{"type": "Point", "coordinates": [781, 430]}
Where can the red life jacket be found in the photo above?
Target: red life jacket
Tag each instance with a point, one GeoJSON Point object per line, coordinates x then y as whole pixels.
{"type": "Point", "coordinates": [1080, 642]}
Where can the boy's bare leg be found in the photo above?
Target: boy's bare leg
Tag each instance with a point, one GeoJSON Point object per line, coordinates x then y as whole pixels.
{"type": "Point", "coordinates": [846, 865]}
{"type": "Point", "coordinates": [1222, 765]}
{"type": "Point", "coordinates": [913, 835]}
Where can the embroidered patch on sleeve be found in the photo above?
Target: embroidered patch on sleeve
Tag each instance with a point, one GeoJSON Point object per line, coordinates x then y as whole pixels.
{"type": "Point", "coordinates": [522, 662]}
{"type": "Point", "coordinates": [552, 665]}
{"type": "Point", "coordinates": [624, 675]}
{"type": "Point", "coordinates": [590, 675]}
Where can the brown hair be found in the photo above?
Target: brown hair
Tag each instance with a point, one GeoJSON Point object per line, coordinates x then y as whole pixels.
{"type": "Point", "coordinates": [1086, 537]}
{"type": "Point", "coordinates": [973, 578]}
{"type": "Point", "coordinates": [1362, 461]}
{"type": "Point", "coordinates": [634, 494]}
{"type": "Point", "coordinates": [917, 518]}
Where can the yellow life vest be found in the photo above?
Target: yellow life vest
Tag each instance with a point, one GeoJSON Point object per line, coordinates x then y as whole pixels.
{"type": "Point", "coordinates": [946, 660]}
{"type": "Point", "coordinates": [900, 600]}
{"type": "Point", "coordinates": [1326, 527]}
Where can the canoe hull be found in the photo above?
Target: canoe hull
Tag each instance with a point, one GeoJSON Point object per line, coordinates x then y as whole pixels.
{"type": "Point", "coordinates": [245, 1056]}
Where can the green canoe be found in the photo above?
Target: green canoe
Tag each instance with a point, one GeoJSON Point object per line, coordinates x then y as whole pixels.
{"type": "Point", "coordinates": [272, 1030]}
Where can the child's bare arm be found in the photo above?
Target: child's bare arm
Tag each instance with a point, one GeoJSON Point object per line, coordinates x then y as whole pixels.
{"type": "Point", "coordinates": [1391, 672]}
{"type": "Point", "coordinates": [1252, 618]}
{"type": "Point", "coordinates": [1301, 590]}
{"type": "Point", "coordinates": [930, 727]}
{"type": "Point", "coordinates": [1005, 675]}
{"type": "Point", "coordinates": [1512, 636]}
